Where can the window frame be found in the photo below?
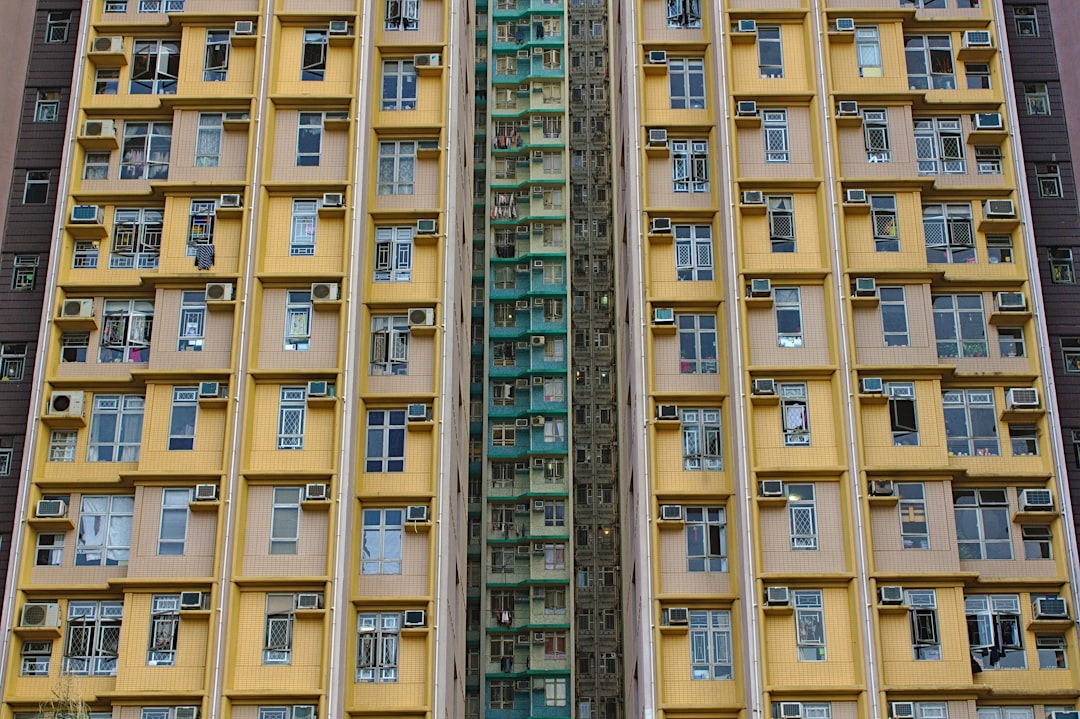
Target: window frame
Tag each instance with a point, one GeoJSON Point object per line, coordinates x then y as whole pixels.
{"type": "Point", "coordinates": [103, 534]}
{"type": "Point", "coordinates": [116, 428]}
{"type": "Point", "coordinates": [292, 417]}
{"type": "Point", "coordinates": [776, 136]}
{"type": "Point", "coordinates": [803, 525]}
{"type": "Point", "coordinates": [378, 644]}
{"type": "Point", "coordinates": [686, 83]}
{"type": "Point", "coordinates": [399, 85]}
{"type": "Point", "coordinates": [381, 543]}
{"type": "Point", "coordinates": [795, 428]}
{"type": "Point", "coordinates": [973, 403]}
{"type": "Point", "coordinates": [174, 505]}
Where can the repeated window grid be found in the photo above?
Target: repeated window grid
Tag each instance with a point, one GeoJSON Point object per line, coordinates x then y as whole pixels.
{"type": "Point", "coordinates": [298, 320]}
{"type": "Point", "coordinates": [1062, 270]}
{"type": "Point", "coordinates": [1048, 179]}
{"type": "Point", "coordinates": [929, 62]}
{"type": "Point", "coordinates": [802, 516]}
{"type": "Point", "coordinates": [192, 324]}
{"type": "Point", "coordinates": [292, 416]}
{"type": "Point", "coordinates": [185, 405]}
{"type": "Point", "coordinates": [399, 85]}
{"type": "Point", "coordinates": [777, 140]}
{"type": "Point", "coordinates": [402, 15]}
{"type": "Point", "coordinates": [285, 520]}
{"type": "Point", "coordinates": [305, 217]}
{"type": "Point", "coordinates": [970, 423]}
{"type": "Point", "coordinates": [868, 51]}
{"type": "Point", "coordinates": [62, 444]}
{"type": "Point", "coordinates": [903, 415]}
{"type": "Point", "coordinates": [116, 428]}
{"type": "Point", "coordinates": [278, 632]}
{"type": "Point", "coordinates": [939, 146]}
{"type": "Point", "coordinates": [706, 539]}
{"type": "Point", "coordinates": [136, 238]}
{"type": "Point", "coordinates": [683, 14]}
{"type": "Point", "coordinates": [702, 438]}
{"type": "Point", "coordinates": [995, 631]}
{"type": "Point", "coordinates": [809, 624]}
{"type": "Point", "coordinates": [697, 344]}
{"type": "Point", "coordinates": [781, 215]}
{"type": "Point", "coordinates": [389, 345]}
{"type": "Point", "coordinates": [960, 327]}
{"type": "Point", "coordinates": [377, 645]}
{"type": "Point", "coordinates": [164, 627]}
{"type": "Point", "coordinates": [93, 638]}
{"type": "Point", "coordinates": [208, 139]}
{"type": "Point", "coordinates": [104, 530]}
{"type": "Point", "coordinates": [386, 441]}
{"type": "Point", "coordinates": [787, 305]}
{"type": "Point", "coordinates": [309, 137]}
{"type": "Point", "coordinates": [24, 273]}
{"type": "Point", "coordinates": [982, 523]}
{"type": "Point", "coordinates": [146, 150]}
{"type": "Point", "coordinates": [686, 82]}
{"type": "Point", "coordinates": [12, 361]}
{"type": "Point", "coordinates": [36, 658]}
{"type": "Point", "coordinates": [710, 644]}
{"type": "Point", "coordinates": [876, 135]}
{"type": "Point", "coordinates": [894, 324]}
{"type": "Point", "coordinates": [690, 165]}
{"type": "Point", "coordinates": [1037, 98]}
{"type": "Point", "coordinates": [396, 168]}
{"type": "Point", "coordinates": [795, 414]}
{"type": "Point", "coordinates": [202, 215]}
{"type": "Point", "coordinates": [1026, 20]}
{"type": "Point", "coordinates": [313, 62]}
{"type": "Point", "coordinates": [950, 235]}
{"type": "Point", "coordinates": [381, 541]}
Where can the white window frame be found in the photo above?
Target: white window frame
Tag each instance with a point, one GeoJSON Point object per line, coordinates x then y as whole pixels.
{"type": "Point", "coordinates": [292, 417]}
{"type": "Point", "coordinates": [174, 516]}
{"type": "Point", "coordinates": [802, 516]}
{"type": "Point", "coordinates": [382, 534]}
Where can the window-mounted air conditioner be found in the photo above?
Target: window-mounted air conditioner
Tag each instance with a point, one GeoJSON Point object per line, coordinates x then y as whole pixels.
{"type": "Point", "coordinates": [667, 411]}
{"type": "Point", "coordinates": [1021, 397]}
{"type": "Point", "coordinates": [657, 137]}
{"type": "Point", "coordinates": [746, 108]}
{"type": "Point", "coordinates": [660, 226]}
{"type": "Point", "coordinates": [417, 412]}
{"type": "Point", "coordinates": [671, 512]}
{"type": "Point", "coordinates": [663, 316]}
{"type": "Point", "coordinates": [49, 508]}
{"type": "Point", "coordinates": [657, 57]}
{"type": "Point", "coordinates": [763, 387]}
{"type": "Point", "coordinates": [206, 492]}
{"type": "Point", "coordinates": [316, 492]}
{"type": "Point", "coordinates": [1036, 500]}
{"type": "Point", "coordinates": [218, 292]}
{"type": "Point", "coordinates": [865, 287]}
{"type": "Point", "coordinates": [333, 199]}
{"type": "Point", "coordinates": [231, 199]}
{"type": "Point", "coordinates": [890, 595]}
{"type": "Point", "coordinates": [421, 317]}
{"type": "Point", "coordinates": [771, 488]}
{"type": "Point", "coordinates": [417, 513]}
{"type": "Point", "coordinates": [414, 618]}
{"type": "Point", "coordinates": [882, 488]}
{"type": "Point", "coordinates": [845, 24]}
{"type": "Point", "coordinates": [191, 600]}
{"type": "Point", "coordinates": [678, 615]}
{"type": "Point", "coordinates": [999, 208]}
{"type": "Point", "coordinates": [244, 27]}
{"type": "Point", "coordinates": [753, 197]}
{"type": "Point", "coordinates": [847, 108]}
{"type": "Point", "coordinates": [777, 596]}
{"type": "Point", "coordinates": [872, 385]}
{"type": "Point", "coordinates": [855, 197]}
{"type": "Point", "coordinates": [1049, 608]}
{"type": "Point", "coordinates": [987, 121]}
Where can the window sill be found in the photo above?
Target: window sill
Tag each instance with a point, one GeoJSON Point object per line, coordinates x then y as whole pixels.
{"type": "Point", "coordinates": [204, 506]}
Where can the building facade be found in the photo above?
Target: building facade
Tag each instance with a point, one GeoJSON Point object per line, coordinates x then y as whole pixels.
{"type": "Point", "coordinates": [713, 381]}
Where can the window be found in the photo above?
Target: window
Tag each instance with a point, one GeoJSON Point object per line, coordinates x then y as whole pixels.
{"type": "Point", "coordinates": [285, 520]}
{"type": "Point", "coordinates": [278, 635]}
{"type": "Point", "coordinates": [393, 254]}
{"type": "Point", "coordinates": [296, 711]}
{"type": "Point", "coordinates": [164, 626]}
{"type": "Point", "coordinates": [777, 143]}
{"type": "Point", "coordinates": [781, 214]}
{"type": "Point", "coordinates": [385, 441]}
{"type": "Point", "coordinates": [1024, 439]}
{"type": "Point", "coordinates": [939, 146]}
{"type": "Point", "coordinates": [56, 26]}
{"type": "Point", "coordinates": [554, 645]}
{"type": "Point", "coordinates": [690, 165]}
{"type": "Point", "coordinates": [554, 513]}
{"type": "Point", "coordinates": [1011, 341]}
{"type": "Point", "coordinates": [978, 75]}
{"type": "Point", "coordinates": [686, 80]}
{"type": "Point", "coordinates": [93, 638]}
{"type": "Point", "coordinates": [876, 136]}
{"type": "Point", "coordinates": [36, 189]}
{"type": "Point", "coordinates": [554, 556]}
{"type": "Point", "coordinates": [146, 149]}
{"type": "Point", "coordinates": [552, 59]}
{"type": "Point", "coordinates": [36, 658]}
{"type": "Point", "coordinates": [106, 81]}
{"type": "Point", "coordinates": [706, 539]}
{"type": "Point", "coordinates": [697, 344]}
{"type": "Point", "coordinates": [703, 440]}
{"type": "Point", "coordinates": [1048, 177]}
{"type": "Point", "coordinates": [795, 414]}
{"type": "Point", "coordinates": [116, 428]}
{"type": "Point", "coordinates": [62, 444]}
{"type": "Point", "coordinates": [397, 168]}
{"type": "Point", "coordinates": [554, 389]}
{"type": "Point", "coordinates": [914, 528]}
{"type": "Point", "coordinates": [555, 691]}
{"type": "Point", "coordinates": [305, 215]}
{"type": "Point", "coordinates": [554, 430]}
{"type": "Point", "coordinates": [1037, 98]}
{"type": "Point", "coordinates": [1051, 649]}
{"type": "Point", "coordinates": [501, 694]}
{"type": "Point", "coordinates": [96, 166]}
{"type": "Point", "coordinates": [309, 132]}
{"type": "Point", "coordinates": [802, 516]}
{"type": "Point", "coordinates": [902, 414]}
{"type": "Point", "coordinates": [1027, 23]}
{"type": "Point", "coordinates": [1061, 266]}
{"type": "Point", "coordinates": [894, 322]}
{"type": "Point", "coordinates": [216, 57]}
{"type": "Point", "coordinates": [710, 644]}
{"type": "Point", "coordinates": [381, 541]}
{"type": "Point", "coordinates": [154, 67]}
{"type": "Point", "coordinates": [126, 330]}
{"type": "Point", "coordinates": [136, 240]}
{"type": "Point", "coordinates": [297, 320]}
{"type": "Point", "coordinates": [47, 106]}
{"type": "Point", "coordinates": [929, 62]}
{"type": "Point", "coordinates": [1038, 542]}
{"type": "Point", "coordinates": [950, 236]}
{"type": "Point", "coordinates": [999, 249]}
{"type": "Point", "coordinates": [982, 523]}
{"type": "Point", "coordinates": [552, 127]}
{"type": "Point", "coordinates": [995, 634]}
{"type": "Point", "coordinates": [174, 520]}
{"type": "Point", "coordinates": [398, 85]}
{"type": "Point", "coordinates": [970, 423]}
{"type": "Point", "coordinates": [6, 454]}
{"type": "Point", "coordinates": [292, 414]}
{"type": "Point", "coordinates": [922, 616]}
{"type": "Point", "coordinates": [377, 647]}
{"type": "Point", "coordinates": [313, 63]}
{"type": "Point", "coordinates": [683, 14]}
{"type": "Point", "coordinates": [185, 406]}
{"type": "Point", "coordinates": [389, 345]}
{"type": "Point", "coordinates": [104, 531]}
{"type": "Point", "coordinates": [868, 51]}
{"type": "Point", "coordinates": [12, 361]}
{"type": "Point", "coordinates": [49, 550]}
{"type": "Point", "coordinates": [787, 305]}
{"type": "Point", "coordinates": [24, 273]}
{"type": "Point", "coordinates": [192, 325]}
{"type": "Point", "coordinates": [402, 15]}
{"type": "Point", "coordinates": [988, 159]}
{"type": "Point", "coordinates": [960, 327]}
{"type": "Point", "coordinates": [208, 140]}
{"type": "Point", "coordinates": [809, 625]}
{"type": "Point", "coordinates": [770, 51]}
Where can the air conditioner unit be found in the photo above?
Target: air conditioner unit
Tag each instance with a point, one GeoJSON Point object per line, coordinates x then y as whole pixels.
{"type": "Point", "coordinates": [318, 388]}
{"type": "Point", "coordinates": [244, 27]}
{"type": "Point", "coordinates": [522, 685]}
{"type": "Point", "coordinates": [538, 264]}
{"type": "Point", "coordinates": [657, 137]}
{"type": "Point", "coordinates": [218, 292]}
{"type": "Point", "coordinates": [231, 200]}
{"type": "Point", "coordinates": [1036, 500]}
{"type": "Point", "coordinates": [663, 316]}
{"type": "Point", "coordinates": [882, 488]}
{"type": "Point", "coordinates": [316, 492]}
{"type": "Point", "coordinates": [523, 550]}
{"type": "Point", "coordinates": [538, 548]}
{"type": "Point", "coordinates": [324, 291]}
{"type": "Point", "coordinates": [524, 266]}
{"type": "Point", "coordinates": [865, 287]}
{"type": "Point", "coordinates": [191, 600]}
{"type": "Point", "coordinates": [47, 508]}
{"type": "Point", "coordinates": [333, 199]}
{"type": "Point", "coordinates": [977, 38]}
{"type": "Point", "coordinates": [523, 422]}
{"type": "Point", "coordinates": [746, 26]}
{"type": "Point", "coordinates": [671, 512]}
{"type": "Point", "coordinates": [847, 108]}
{"type": "Point", "coordinates": [66, 404]}
{"type": "Point", "coordinates": [845, 24]}
{"type": "Point", "coordinates": [209, 390]}
{"type": "Point", "coordinates": [678, 615]}
{"type": "Point", "coordinates": [987, 121]}
{"type": "Point", "coordinates": [521, 305]}
{"type": "Point", "coordinates": [1010, 301]}
{"type": "Point", "coordinates": [417, 513]}
{"type": "Point", "coordinates": [771, 488]}
{"type": "Point", "coordinates": [763, 387]}
{"type": "Point", "coordinates": [427, 227]}
{"type": "Point", "coordinates": [761, 288]}
{"type": "Point", "coordinates": [425, 60]}
{"type": "Point", "coordinates": [338, 27]}
{"type": "Point", "coordinates": [1021, 397]}
{"type": "Point", "coordinates": [657, 57]}
{"type": "Point", "coordinates": [421, 317]}
{"type": "Point", "coordinates": [538, 381]}
{"type": "Point", "coordinates": [777, 596]}
{"type": "Point", "coordinates": [790, 710]}
{"type": "Point", "coordinates": [415, 618]}
{"type": "Point", "coordinates": [537, 301]}
{"type": "Point", "coordinates": [538, 463]}
{"type": "Point", "coordinates": [855, 197]}
{"type": "Point", "coordinates": [753, 197]}
{"type": "Point", "coordinates": [871, 385]}
{"type": "Point", "coordinates": [303, 711]}
{"type": "Point", "coordinates": [417, 412]}
{"type": "Point", "coordinates": [890, 595]}
{"type": "Point", "coordinates": [309, 600]}
{"type": "Point", "coordinates": [660, 226]}
{"type": "Point", "coordinates": [538, 505]}
{"type": "Point", "coordinates": [537, 156]}
{"type": "Point", "coordinates": [237, 116]}
{"type": "Point", "coordinates": [746, 108]}
{"type": "Point", "coordinates": [77, 309]}
{"type": "Point", "coordinates": [667, 411]}
{"type": "Point", "coordinates": [106, 44]}
{"type": "Point", "coordinates": [538, 340]}
{"type": "Point", "coordinates": [538, 421]}
{"type": "Point", "coordinates": [40, 614]}
{"type": "Point", "coordinates": [901, 710]}
{"type": "Point", "coordinates": [206, 492]}
{"type": "Point", "coordinates": [1049, 608]}
{"type": "Point", "coordinates": [186, 712]}
{"type": "Point", "coordinates": [999, 208]}
{"type": "Point", "coordinates": [99, 128]}
{"type": "Point", "coordinates": [87, 215]}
